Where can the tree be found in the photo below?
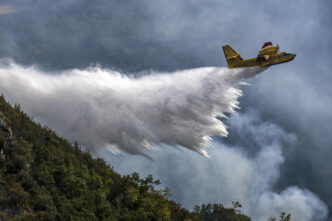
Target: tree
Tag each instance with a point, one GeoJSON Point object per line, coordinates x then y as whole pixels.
{"type": "Point", "coordinates": [283, 217]}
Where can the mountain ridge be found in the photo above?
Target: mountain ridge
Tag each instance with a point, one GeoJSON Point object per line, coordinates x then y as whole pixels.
{"type": "Point", "coordinates": [44, 177]}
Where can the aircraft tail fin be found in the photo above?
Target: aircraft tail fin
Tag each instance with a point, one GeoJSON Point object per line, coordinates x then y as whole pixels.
{"type": "Point", "coordinates": [231, 55]}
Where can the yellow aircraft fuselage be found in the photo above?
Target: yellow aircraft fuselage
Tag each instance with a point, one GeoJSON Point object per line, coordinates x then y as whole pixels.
{"type": "Point", "coordinates": [268, 55]}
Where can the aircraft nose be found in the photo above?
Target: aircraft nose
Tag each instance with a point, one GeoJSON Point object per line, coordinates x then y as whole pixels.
{"type": "Point", "coordinates": [293, 56]}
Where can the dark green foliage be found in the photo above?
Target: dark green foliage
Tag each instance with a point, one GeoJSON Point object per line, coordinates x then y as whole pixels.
{"type": "Point", "coordinates": [43, 177]}
{"type": "Point", "coordinates": [283, 217]}
{"type": "Point", "coordinates": [214, 212]}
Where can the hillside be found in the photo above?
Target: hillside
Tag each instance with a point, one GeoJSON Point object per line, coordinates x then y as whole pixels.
{"type": "Point", "coordinates": [44, 177]}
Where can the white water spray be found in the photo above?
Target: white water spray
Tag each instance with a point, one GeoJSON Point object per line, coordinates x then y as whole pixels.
{"type": "Point", "coordinates": [102, 108]}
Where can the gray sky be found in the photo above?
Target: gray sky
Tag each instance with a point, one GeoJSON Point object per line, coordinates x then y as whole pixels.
{"type": "Point", "coordinates": [174, 35]}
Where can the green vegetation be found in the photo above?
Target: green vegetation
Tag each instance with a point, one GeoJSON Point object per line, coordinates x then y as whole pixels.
{"type": "Point", "coordinates": [44, 177]}
{"type": "Point", "coordinates": [283, 217]}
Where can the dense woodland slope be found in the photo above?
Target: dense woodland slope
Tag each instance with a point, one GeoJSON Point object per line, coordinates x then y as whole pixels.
{"type": "Point", "coordinates": [44, 177]}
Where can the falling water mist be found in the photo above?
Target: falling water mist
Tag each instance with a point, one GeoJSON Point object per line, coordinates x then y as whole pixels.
{"type": "Point", "coordinates": [103, 108]}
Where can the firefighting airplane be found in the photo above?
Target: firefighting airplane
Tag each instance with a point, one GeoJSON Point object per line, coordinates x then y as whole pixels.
{"type": "Point", "coordinates": [268, 55]}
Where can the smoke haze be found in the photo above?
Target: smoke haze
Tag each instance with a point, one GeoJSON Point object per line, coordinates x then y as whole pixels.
{"type": "Point", "coordinates": [106, 110]}
{"type": "Point", "coordinates": [232, 174]}
{"type": "Point", "coordinates": [171, 35]}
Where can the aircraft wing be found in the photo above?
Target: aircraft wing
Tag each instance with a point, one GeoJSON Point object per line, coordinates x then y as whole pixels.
{"type": "Point", "coordinates": [268, 48]}
{"type": "Point", "coordinates": [262, 53]}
